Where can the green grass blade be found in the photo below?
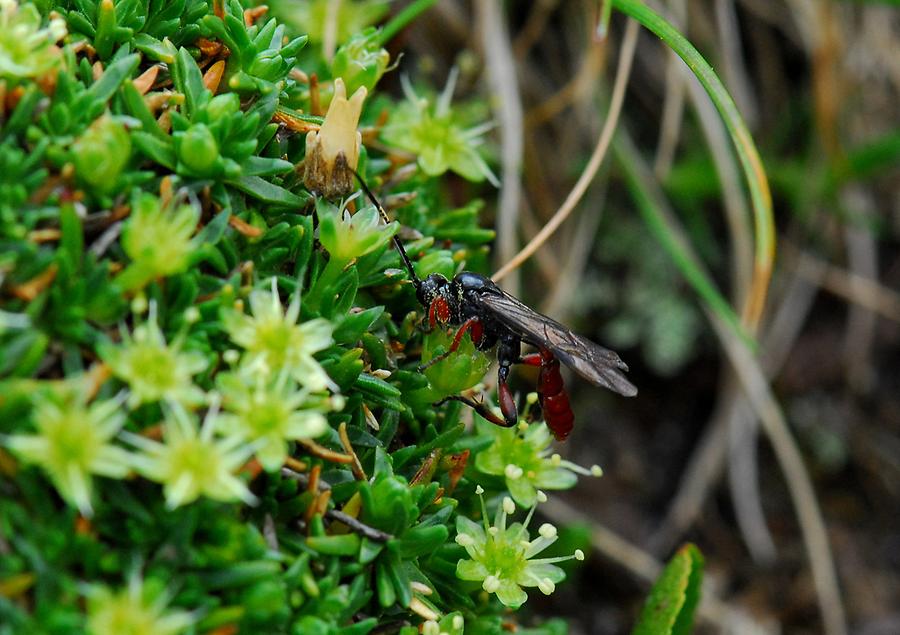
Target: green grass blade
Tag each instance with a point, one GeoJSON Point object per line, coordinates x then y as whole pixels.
{"type": "Point", "coordinates": [404, 17]}
{"type": "Point", "coordinates": [654, 210]}
{"type": "Point", "coordinates": [746, 150]}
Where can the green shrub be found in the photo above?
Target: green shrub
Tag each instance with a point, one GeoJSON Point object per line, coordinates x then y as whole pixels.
{"type": "Point", "coordinates": [210, 409]}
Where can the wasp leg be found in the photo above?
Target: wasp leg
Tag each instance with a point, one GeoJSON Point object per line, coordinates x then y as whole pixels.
{"type": "Point", "coordinates": [536, 359]}
{"type": "Point", "coordinates": [508, 353]}
{"type": "Point", "coordinates": [532, 359]}
{"type": "Point", "coordinates": [473, 324]}
{"type": "Point", "coordinates": [480, 407]}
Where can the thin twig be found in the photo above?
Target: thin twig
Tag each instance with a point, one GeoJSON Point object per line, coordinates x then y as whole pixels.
{"type": "Point", "coordinates": [296, 465]}
{"type": "Point", "coordinates": [546, 261]}
{"type": "Point", "coordinates": [672, 116]}
{"type": "Point", "coordinates": [862, 260]}
{"type": "Point", "coordinates": [733, 63]}
{"type": "Point", "coordinates": [355, 466]}
{"type": "Point", "coordinates": [577, 255]}
{"type": "Point", "coordinates": [323, 488]}
{"type": "Point", "coordinates": [742, 426]}
{"type": "Point", "coordinates": [534, 26]}
{"type": "Point", "coordinates": [358, 526]}
{"type": "Point", "coordinates": [703, 471]}
{"type": "Point", "coordinates": [324, 453]}
{"type": "Point", "coordinates": [615, 108]}
{"type": "Point", "coordinates": [579, 85]}
{"type": "Point", "coordinates": [320, 504]}
{"type": "Point", "coordinates": [673, 102]}
{"type": "Point", "coordinates": [581, 234]}
{"type": "Point", "coordinates": [743, 478]}
{"type": "Point", "coordinates": [781, 333]}
{"type": "Point", "coordinates": [852, 287]}
{"type": "Point", "coordinates": [313, 484]}
{"type": "Point", "coordinates": [303, 479]}
{"type": "Point", "coordinates": [812, 524]}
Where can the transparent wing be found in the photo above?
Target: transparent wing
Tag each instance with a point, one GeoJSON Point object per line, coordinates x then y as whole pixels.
{"type": "Point", "coordinates": [598, 365]}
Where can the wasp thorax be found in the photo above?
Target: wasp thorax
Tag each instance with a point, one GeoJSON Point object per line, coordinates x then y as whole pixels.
{"type": "Point", "coordinates": [332, 153]}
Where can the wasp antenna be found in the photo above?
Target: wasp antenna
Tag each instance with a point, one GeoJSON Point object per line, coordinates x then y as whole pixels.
{"type": "Point", "coordinates": [384, 217]}
{"type": "Point", "coordinates": [368, 192]}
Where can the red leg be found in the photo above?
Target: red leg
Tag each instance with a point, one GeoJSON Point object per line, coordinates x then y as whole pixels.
{"type": "Point", "coordinates": [508, 353]}
{"type": "Point", "coordinates": [532, 359]}
{"type": "Point", "coordinates": [472, 324]}
{"type": "Point", "coordinates": [540, 358]}
{"type": "Point", "coordinates": [507, 403]}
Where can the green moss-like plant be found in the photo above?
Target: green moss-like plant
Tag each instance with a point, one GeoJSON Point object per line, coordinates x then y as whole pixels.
{"type": "Point", "coordinates": [211, 417]}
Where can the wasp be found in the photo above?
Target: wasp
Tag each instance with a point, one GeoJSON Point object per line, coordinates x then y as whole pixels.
{"type": "Point", "coordinates": [475, 304]}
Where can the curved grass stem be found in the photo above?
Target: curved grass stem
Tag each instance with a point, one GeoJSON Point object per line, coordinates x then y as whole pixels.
{"type": "Point", "coordinates": [751, 163]}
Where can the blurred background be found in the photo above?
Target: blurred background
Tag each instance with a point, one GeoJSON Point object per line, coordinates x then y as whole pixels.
{"type": "Point", "coordinates": [792, 495]}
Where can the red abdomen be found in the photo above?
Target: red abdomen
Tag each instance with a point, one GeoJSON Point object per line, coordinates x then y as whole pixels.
{"type": "Point", "coordinates": [554, 400]}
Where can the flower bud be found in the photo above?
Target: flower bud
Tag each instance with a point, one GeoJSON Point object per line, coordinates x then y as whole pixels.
{"type": "Point", "coordinates": [101, 153]}
{"type": "Point", "coordinates": [198, 149]}
{"type": "Point", "coordinates": [361, 61]}
{"type": "Point", "coordinates": [222, 106]}
{"type": "Point", "coordinates": [332, 153]}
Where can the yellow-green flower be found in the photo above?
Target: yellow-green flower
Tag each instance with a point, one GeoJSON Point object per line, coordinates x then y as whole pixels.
{"type": "Point", "coordinates": [135, 610]}
{"type": "Point", "coordinates": [269, 413]}
{"type": "Point", "coordinates": [347, 236]}
{"type": "Point", "coordinates": [26, 48]}
{"type": "Point", "coordinates": [522, 455]}
{"type": "Point", "coordinates": [313, 16]}
{"type": "Point", "coordinates": [192, 462]}
{"type": "Point", "coordinates": [153, 370]}
{"type": "Point", "coordinates": [361, 61]}
{"type": "Point", "coordinates": [436, 134]}
{"type": "Point", "coordinates": [157, 238]}
{"type": "Point", "coordinates": [73, 443]}
{"type": "Point", "coordinates": [275, 342]}
{"type": "Point", "coordinates": [502, 558]}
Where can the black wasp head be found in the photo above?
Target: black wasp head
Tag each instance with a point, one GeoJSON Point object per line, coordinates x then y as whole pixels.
{"type": "Point", "coordinates": [430, 288]}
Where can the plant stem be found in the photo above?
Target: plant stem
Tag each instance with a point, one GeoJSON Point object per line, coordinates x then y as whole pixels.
{"type": "Point", "coordinates": [326, 280]}
{"type": "Point", "coordinates": [746, 150]}
{"type": "Point", "coordinates": [407, 15]}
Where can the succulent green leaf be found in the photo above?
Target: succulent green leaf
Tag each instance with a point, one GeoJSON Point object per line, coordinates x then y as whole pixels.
{"type": "Point", "coordinates": [669, 609]}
